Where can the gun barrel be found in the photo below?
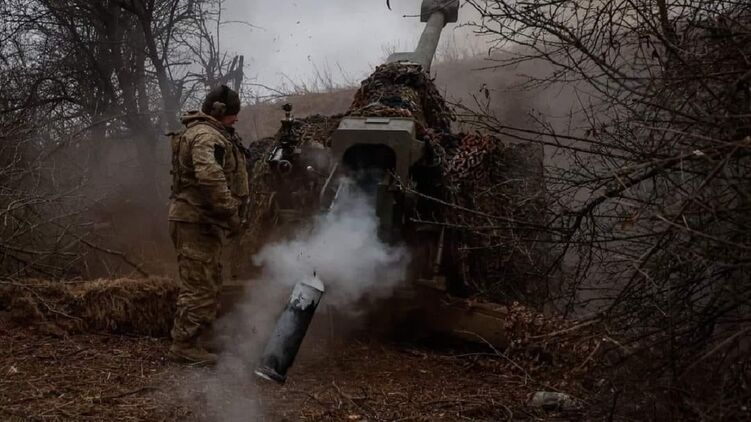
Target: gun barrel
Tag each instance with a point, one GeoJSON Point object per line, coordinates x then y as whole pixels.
{"type": "Point", "coordinates": [436, 14]}
{"type": "Point", "coordinates": [431, 35]}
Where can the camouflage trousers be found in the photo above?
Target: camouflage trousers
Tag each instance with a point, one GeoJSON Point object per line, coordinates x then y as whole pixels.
{"type": "Point", "coordinates": [199, 250]}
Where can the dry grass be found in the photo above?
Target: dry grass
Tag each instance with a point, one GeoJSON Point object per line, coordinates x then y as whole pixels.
{"type": "Point", "coordinates": [107, 377]}
{"type": "Point", "coordinates": [134, 306]}
{"type": "Point", "coordinates": [67, 373]}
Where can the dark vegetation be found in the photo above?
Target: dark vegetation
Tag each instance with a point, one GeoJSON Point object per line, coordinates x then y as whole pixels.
{"type": "Point", "coordinates": [648, 191]}
{"type": "Point", "coordinates": [87, 92]}
{"type": "Point", "coordinates": [643, 109]}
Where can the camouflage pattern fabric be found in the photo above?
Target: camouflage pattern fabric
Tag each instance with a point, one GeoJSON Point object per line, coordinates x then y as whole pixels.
{"type": "Point", "coordinates": [209, 173]}
{"type": "Point", "coordinates": [199, 248]}
{"type": "Point", "coordinates": [209, 195]}
{"type": "Point", "coordinates": [503, 258]}
{"type": "Point", "coordinates": [400, 90]}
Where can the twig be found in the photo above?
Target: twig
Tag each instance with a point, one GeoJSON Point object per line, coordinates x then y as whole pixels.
{"type": "Point", "coordinates": [564, 331]}
{"type": "Point", "coordinates": [119, 254]}
{"type": "Point", "coordinates": [348, 397]}
{"type": "Point", "coordinates": [499, 353]}
{"type": "Point", "coordinates": [719, 346]}
{"type": "Point", "coordinates": [129, 393]}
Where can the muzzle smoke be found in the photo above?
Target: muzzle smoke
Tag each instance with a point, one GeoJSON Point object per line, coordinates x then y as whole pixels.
{"type": "Point", "coordinates": [342, 246]}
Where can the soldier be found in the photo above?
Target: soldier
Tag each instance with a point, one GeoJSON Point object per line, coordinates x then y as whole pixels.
{"type": "Point", "coordinates": [209, 196]}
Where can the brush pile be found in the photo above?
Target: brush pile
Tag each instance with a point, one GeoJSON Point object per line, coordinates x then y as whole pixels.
{"type": "Point", "coordinates": [132, 306]}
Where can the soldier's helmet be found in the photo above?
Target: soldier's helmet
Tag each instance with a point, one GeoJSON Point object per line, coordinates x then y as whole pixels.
{"type": "Point", "coordinates": [221, 101]}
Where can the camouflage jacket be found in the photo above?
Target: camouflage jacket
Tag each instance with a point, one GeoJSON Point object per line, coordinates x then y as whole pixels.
{"type": "Point", "coordinates": [209, 173]}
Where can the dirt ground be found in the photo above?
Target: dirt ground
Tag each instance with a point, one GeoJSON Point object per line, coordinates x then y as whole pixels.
{"type": "Point", "coordinates": [48, 376]}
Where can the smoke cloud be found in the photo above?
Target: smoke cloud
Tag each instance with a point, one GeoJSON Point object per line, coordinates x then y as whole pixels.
{"type": "Point", "coordinates": [342, 246]}
{"type": "Point", "coordinates": [344, 249]}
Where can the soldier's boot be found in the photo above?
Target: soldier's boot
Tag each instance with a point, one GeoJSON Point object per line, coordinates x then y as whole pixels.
{"type": "Point", "coordinates": [212, 343]}
{"type": "Point", "coordinates": [191, 353]}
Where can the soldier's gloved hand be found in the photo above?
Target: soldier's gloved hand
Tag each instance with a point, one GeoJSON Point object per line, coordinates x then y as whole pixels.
{"type": "Point", "coordinates": [235, 226]}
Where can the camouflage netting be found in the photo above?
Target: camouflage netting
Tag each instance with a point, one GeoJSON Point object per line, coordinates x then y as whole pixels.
{"type": "Point", "coordinates": [262, 213]}
{"type": "Point", "coordinates": [499, 253]}
{"type": "Point", "coordinates": [260, 191]}
{"type": "Point", "coordinates": [500, 245]}
{"type": "Point", "coordinates": [497, 247]}
{"type": "Point", "coordinates": [316, 129]}
{"type": "Point", "coordinates": [398, 90]}
{"type": "Point", "coordinates": [132, 306]}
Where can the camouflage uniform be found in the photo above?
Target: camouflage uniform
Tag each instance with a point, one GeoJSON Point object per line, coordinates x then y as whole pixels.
{"type": "Point", "coordinates": [209, 192]}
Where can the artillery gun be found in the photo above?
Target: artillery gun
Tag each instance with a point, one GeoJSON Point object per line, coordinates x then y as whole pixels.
{"type": "Point", "coordinates": [379, 151]}
{"type": "Point", "coordinates": [386, 145]}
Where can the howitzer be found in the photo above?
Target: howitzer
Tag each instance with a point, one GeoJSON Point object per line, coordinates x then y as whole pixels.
{"type": "Point", "coordinates": [379, 147]}
{"type": "Point", "coordinates": [380, 152]}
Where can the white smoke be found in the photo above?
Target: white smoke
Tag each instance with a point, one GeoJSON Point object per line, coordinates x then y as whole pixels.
{"type": "Point", "coordinates": [343, 248]}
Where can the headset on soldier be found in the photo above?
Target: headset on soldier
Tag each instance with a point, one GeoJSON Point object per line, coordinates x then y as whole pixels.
{"type": "Point", "coordinates": [221, 102]}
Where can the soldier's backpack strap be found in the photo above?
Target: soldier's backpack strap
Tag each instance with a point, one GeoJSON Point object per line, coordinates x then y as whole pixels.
{"type": "Point", "coordinates": [177, 171]}
{"type": "Point", "coordinates": [232, 137]}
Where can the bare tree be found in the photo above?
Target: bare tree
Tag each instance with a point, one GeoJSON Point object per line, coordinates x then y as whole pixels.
{"type": "Point", "coordinates": [80, 82]}
{"type": "Point", "coordinates": [649, 182]}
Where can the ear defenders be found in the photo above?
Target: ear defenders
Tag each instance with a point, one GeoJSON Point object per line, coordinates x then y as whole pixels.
{"type": "Point", "coordinates": [218, 108]}
{"type": "Point", "coordinates": [222, 101]}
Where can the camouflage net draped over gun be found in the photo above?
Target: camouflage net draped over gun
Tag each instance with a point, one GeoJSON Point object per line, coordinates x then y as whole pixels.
{"type": "Point", "coordinates": [495, 254]}
{"type": "Point", "coordinates": [263, 213]}
{"type": "Point", "coordinates": [316, 129]}
{"type": "Point", "coordinates": [497, 247]}
{"type": "Point", "coordinates": [398, 90]}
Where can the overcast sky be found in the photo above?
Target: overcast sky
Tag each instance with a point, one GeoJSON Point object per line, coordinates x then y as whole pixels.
{"type": "Point", "coordinates": [294, 37]}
